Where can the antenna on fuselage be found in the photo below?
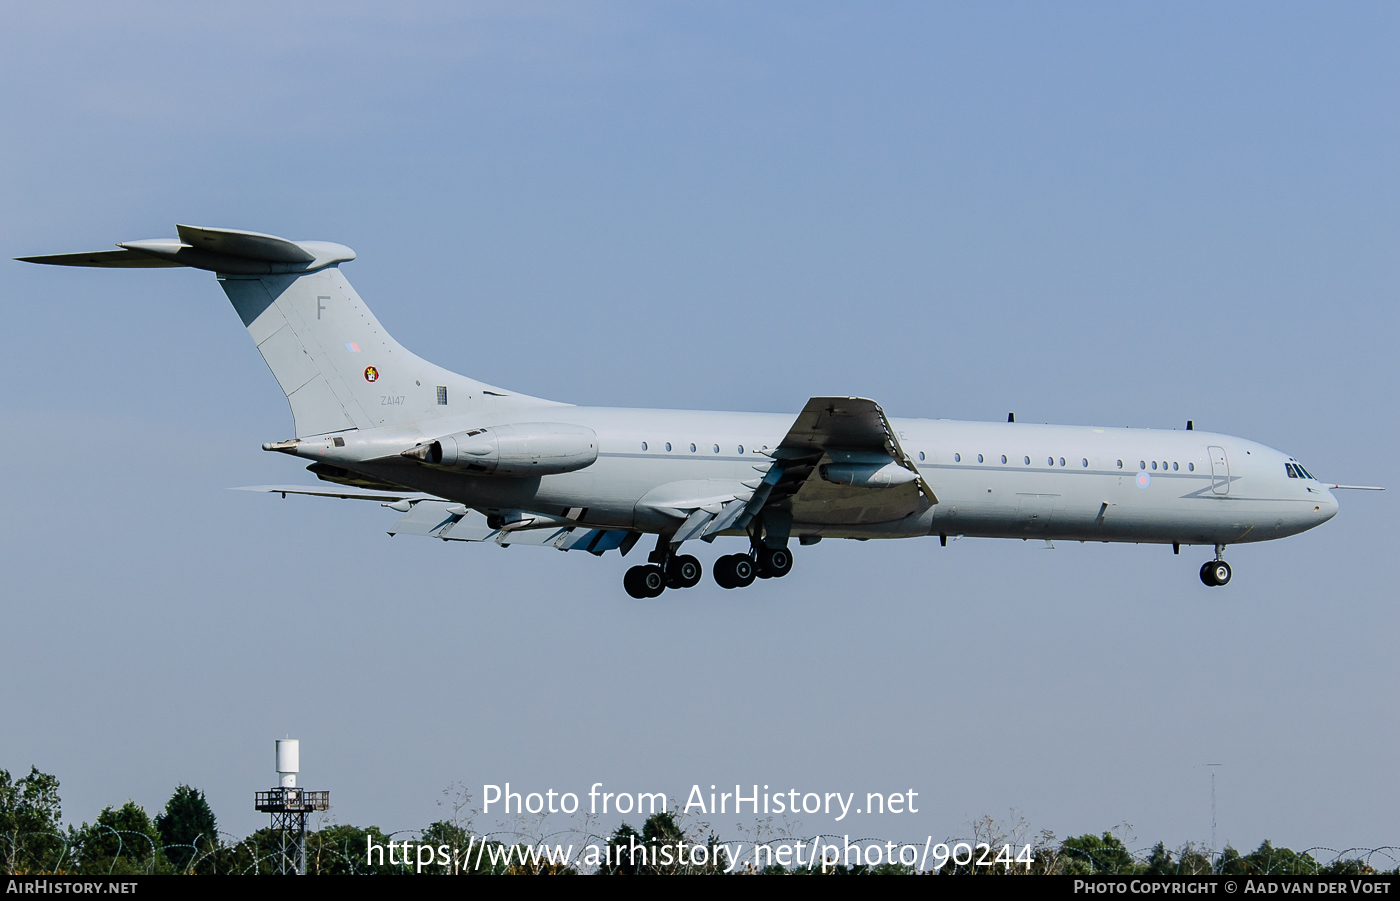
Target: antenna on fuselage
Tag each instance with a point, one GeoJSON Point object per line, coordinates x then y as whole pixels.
{"type": "Point", "coordinates": [1190, 426]}
{"type": "Point", "coordinates": [1010, 417]}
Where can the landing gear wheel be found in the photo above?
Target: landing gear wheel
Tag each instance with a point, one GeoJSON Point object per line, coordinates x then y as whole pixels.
{"type": "Point", "coordinates": [774, 562]}
{"type": "Point", "coordinates": [744, 571]}
{"type": "Point", "coordinates": [723, 571]}
{"type": "Point", "coordinates": [1215, 573]}
{"type": "Point", "coordinates": [633, 583]}
{"type": "Point", "coordinates": [654, 580]}
{"type": "Point", "coordinates": [683, 572]}
{"type": "Point", "coordinates": [644, 581]}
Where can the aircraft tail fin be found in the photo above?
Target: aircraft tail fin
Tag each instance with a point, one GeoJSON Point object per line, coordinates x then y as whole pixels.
{"type": "Point", "coordinates": [337, 366]}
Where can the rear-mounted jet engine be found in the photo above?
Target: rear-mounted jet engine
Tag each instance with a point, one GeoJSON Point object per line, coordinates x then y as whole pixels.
{"type": "Point", "coordinates": [523, 449]}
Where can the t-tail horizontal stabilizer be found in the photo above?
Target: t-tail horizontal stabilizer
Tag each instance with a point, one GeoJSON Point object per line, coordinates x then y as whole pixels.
{"type": "Point", "coordinates": [225, 250]}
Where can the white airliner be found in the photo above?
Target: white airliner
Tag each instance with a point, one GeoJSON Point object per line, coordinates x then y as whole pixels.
{"type": "Point", "coordinates": [462, 460]}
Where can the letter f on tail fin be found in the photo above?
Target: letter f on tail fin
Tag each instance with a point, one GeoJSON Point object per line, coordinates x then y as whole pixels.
{"type": "Point", "coordinates": [335, 363]}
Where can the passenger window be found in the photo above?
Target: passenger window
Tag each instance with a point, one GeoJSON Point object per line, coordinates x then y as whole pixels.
{"type": "Point", "coordinates": [1028, 460]}
{"type": "Point", "coordinates": [741, 448]}
{"type": "Point", "coordinates": [921, 456]}
{"type": "Point", "coordinates": [1003, 458]}
{"type": "Point", "coordinates": [1049, 461]}
{"type": "Point", "coordinates": [1085, 462]}
{"type": "Point", "coordinates": [644, 445]}
{"type": "Point", "coordinates": [1154, 465]}
{"type": "Point", "coordinates": [1175, 467]}
{"type": "Point", "coordinates": [979, 458]}
{"type": "Point", "coordinates": [1191, 467]}
{"type": "Point", "coordinates": [692, 448]}
{"type": "Point", "coordinates": [1142, 464]}
{"type": "Point", "coordinates": [716, 448]}
{"type": "Point", "coordinates": [957, 458]}
{"type": "Point", "coordinates": [1120, 464]}
{"type": "Point", "coordinates": [668, 447]}
{"type": "Point", "coordinates": [1062, 461]}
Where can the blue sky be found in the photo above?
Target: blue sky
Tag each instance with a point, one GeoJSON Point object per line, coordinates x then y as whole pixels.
{"type": "Point", "coordinates": [1085, 213]}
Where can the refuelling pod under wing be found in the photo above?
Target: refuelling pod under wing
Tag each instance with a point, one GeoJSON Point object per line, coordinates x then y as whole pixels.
{"type": "Point", "coordinates": [523, 449]}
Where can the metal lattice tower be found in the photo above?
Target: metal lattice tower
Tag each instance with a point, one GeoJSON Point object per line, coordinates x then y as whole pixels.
{"type": "Point", "coordinates": [289, 806]}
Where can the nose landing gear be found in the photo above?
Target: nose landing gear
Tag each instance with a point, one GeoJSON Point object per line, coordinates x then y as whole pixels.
{"type": "Point", "coordinates": [1216, 572]}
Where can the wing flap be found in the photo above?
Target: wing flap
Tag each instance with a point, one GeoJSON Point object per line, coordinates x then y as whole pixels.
{"type": "Point", "coordinates": [425, 518]}
{"type": "Point", "coordinates": [694, 525]}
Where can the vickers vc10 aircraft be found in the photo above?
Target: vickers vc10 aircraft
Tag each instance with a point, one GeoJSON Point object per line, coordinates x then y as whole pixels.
{"type": "Point", "coordinates": [462, 460]}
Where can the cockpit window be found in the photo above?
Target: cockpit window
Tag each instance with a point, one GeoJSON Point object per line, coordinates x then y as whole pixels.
{"type": "Point", "coordinates": [1296, 471]}
{"type": "Point", "coordinates": [1291, 473]}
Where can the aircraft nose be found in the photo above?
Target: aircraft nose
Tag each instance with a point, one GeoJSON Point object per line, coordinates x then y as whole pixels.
{"type": "Point", "coordinates": [1325, 508]}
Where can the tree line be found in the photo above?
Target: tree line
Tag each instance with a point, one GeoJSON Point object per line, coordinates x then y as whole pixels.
{"type": "Point", "coordinates": [184, 838]}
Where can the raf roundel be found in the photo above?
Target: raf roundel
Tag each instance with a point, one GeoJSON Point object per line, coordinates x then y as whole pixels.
{"type": "Point", "coordinates": [371, 374]}
{"type": "Point", "coordinates": [1143, 479]}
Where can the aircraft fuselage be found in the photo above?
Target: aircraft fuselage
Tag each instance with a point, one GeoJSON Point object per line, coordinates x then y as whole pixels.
{"type": "Point", "coordinates": [995, 480]}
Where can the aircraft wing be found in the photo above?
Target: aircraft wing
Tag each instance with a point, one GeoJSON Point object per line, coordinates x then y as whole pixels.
{"type": "Point", "coordinates": [355, 494]}
{"type": "Point", "coordinates": [454, 522]}
{"type": "Point", "coordinates": [433, 517]}
{"type": "Point", "coordinates": [853, 431]}
{"type": "Point", "coordinates": [849, 423]}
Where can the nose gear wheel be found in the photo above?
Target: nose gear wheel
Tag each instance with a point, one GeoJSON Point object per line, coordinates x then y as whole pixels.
{"type": "Point", "coordinates": [1215, 573]}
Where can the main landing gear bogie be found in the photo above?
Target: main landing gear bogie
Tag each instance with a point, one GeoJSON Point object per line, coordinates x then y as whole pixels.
{"type": "Point", "coordinates": [662, 570]}
{"type": "Point", "coordinates": [644, 581]}
{"type": "Point", "coordinates": [774, 562]}
{"type": "Point", "coordinates": [683, 572]}
{"type": "Point", "coordinates": [667, 570]}
{"type": "Point", "coordinates": [735, 571]}
{"type": "Point", "coordinates": [651, 579]}
{"type": "Point", "coordinates": [740, 570]}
